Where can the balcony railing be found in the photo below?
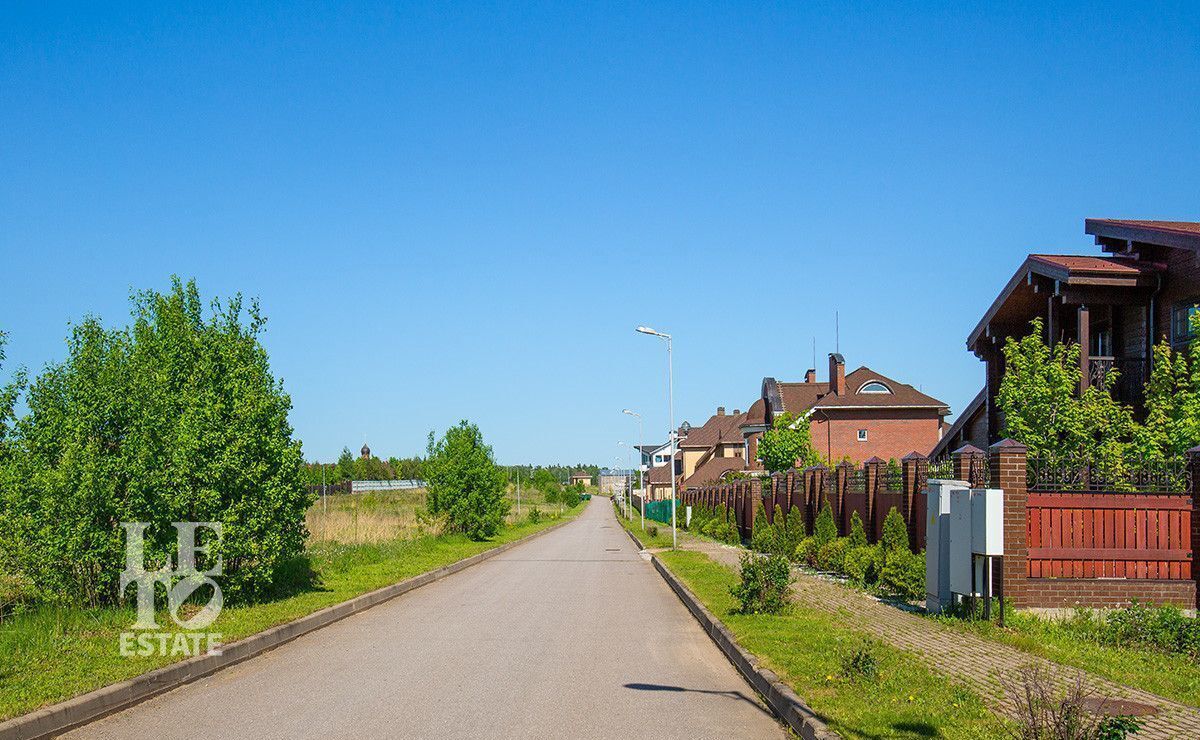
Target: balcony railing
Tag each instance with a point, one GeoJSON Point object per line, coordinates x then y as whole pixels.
{"type": "Point", "coordinates": [1129, 385]}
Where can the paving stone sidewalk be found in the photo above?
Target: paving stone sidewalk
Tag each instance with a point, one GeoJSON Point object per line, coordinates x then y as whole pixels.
{"type": "Point", "coordinates": [971, 659]}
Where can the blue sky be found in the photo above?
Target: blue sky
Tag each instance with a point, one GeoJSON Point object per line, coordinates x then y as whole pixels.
{"type": "Point", "coordinates": [462, 212]}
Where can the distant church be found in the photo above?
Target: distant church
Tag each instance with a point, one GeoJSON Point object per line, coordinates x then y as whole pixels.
{"type": "Point", "coordinates": [366, 452]}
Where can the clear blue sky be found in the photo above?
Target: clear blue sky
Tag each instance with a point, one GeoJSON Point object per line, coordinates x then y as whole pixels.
{"type": "Point", "coordinates": [454, 212]}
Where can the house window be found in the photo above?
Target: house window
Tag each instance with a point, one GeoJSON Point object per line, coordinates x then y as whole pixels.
{"type": "Point", "coordinates": [862, 435]}
{"type": "Point", "coordinates": [874, 386]}
{"type": "Point", "coordinates": [1181, 322]}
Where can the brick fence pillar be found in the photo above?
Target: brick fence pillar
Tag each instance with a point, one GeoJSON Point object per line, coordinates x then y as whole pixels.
{"type": "Point", "coordinates": [842, 480]}
{"type": "Point", "coordinates": [872, 475]}
{"type": "Point", "coordinates": [913, 465]}
{"type": "Point", "coordinates": [966, 458]}
{"type": "Point", "coordinates": [1193, 466]}
{"type": "Point", "coordinates": [756, 500]}
{"type": "Point", "coordinates": [1008, 470]}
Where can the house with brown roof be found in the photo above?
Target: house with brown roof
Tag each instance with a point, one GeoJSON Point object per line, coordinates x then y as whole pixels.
{"type": "Point", "coordinates": [581, 477]}
{"type": "Point", "coordinates": [1115, 307]}
{"type": "Point", "coordinates": [856, 415]}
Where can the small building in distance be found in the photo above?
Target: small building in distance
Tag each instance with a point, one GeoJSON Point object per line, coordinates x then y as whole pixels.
{"type": "Point", "coordinates": [614, 481]}
{"type": "Point", "coordinates": [581, 478]}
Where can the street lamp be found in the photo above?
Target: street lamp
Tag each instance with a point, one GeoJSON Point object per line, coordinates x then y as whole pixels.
{"type": "Point", "coordinates": [641, 451]}
{"type": "Point", "coordinates": [671, 420]}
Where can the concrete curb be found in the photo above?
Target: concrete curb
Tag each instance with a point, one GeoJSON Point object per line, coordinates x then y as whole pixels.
{"type": "Point", "coordinates": [786, 704]}
{"type": "Point", "coordinates": [80, 710]}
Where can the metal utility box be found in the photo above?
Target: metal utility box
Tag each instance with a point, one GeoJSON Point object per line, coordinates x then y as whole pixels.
{"type": "Point", "coordinates": [937, 542]}
{"type": "Point", "coordinates": [987, 521]}
{"type": "Point", "coordinates": [959, 523]}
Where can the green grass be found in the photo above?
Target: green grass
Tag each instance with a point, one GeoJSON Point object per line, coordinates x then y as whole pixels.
{"type": "Point", "coordinates": [1172, 676]}
{"type": "Point", "coordinates": [634, 524]}
{"type": "Point", "coordinates": [805, 647]}
{"type": "Point", "coordinates": [48, 654]}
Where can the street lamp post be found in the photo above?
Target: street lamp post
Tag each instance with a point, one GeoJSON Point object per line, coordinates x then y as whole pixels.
{"type": "Point", "coordinates": [670, 419]}
{"type": "Point", "coordinates": [641, 451]}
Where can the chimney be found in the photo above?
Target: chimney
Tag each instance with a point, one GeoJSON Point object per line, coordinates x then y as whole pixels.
{"type": "Point", "coordinates": [837, 374]}
{"type": "Point", "coordinates": [720, 411]}
{"type": "Point", "coordinates": [810, 376]}
{"type": "Point", "coordinates": [736, 412]}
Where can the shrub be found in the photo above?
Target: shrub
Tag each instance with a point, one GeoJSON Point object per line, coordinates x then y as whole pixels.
{"type": "Point", "coordinates": [1162, 628]}
{"type": "Point", "coordinates": [464, 481]}
{"type": "Point", "coordinates": [1048, 709]}
{"type": "Point", "coordinates": [859, 662]}
{"type": "Point", "coordinates": [764, 585]}
{"type": "Point", "coordinates": [806, 551]}
{"type": "Point", "coordinates": [895, 531]}
{"type": "Point", "coordinates": [176, 417]}
{"type": "Point", "coordinates": [779, 524]}
{"type": "Point", "coordinates": [858, 535]}
{"type": "Point", "coordinates": [762, 534]}
{"type": "Point", "coordinates": [534, 515]}
{"type": "Point", "coordinates": [795, 529]}
{"type": "Point", "coordinates": [652, 530]}
{"type": "Point", "coordinates": [832, 554]}
{"type": "Point", "coordinates": [863, 564]}
{"type": "Point", "coordinates": [903, 574]}
{"type": "Point", "coordinates": [824, 528]}
{"type": "Point", "coordinates": [729, 533]}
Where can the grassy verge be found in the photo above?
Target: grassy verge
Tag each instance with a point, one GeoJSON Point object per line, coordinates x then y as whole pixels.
{"type": "Point", "coordinates": [1169, 675]}
{"type": "Point", "coordinates": [806, 648]}
{"type": "Point", "coordinates": [655, 535]}
{"type": "Point", "coordinates": [49, 655]}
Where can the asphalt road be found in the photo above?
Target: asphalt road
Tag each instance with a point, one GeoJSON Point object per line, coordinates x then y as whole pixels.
{"type": "Point", "coordinates": [572, 635]}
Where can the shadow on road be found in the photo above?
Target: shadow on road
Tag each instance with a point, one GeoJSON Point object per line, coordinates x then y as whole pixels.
{"type": "Point", "coordinates": [730, 694]}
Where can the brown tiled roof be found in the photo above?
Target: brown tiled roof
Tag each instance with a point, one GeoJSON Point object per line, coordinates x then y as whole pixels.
{"type": "Point", "coordinates": [1087, 265]}
{"type": "Point", "coordinates": [800, 397]}
{"type": "Point", "coordinates": [902, 395]}
{"type": "Point", "coordinates": [757, 414]}
{"type": "Point", "coordinates": [717, 430]}
{"type": "Point", "coordinates": [660, 474]}
{"type": "Point", "coordinates": [712, 470]}
{"type": "Point", "coordinates": [1190, 228]}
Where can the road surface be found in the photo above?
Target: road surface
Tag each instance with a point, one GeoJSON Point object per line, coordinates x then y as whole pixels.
{"type": "Point", "coordinates": [572, 635]}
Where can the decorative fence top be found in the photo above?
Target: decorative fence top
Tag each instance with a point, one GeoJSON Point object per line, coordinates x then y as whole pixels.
{"type": "Point", "coordinates": [1066, 473]}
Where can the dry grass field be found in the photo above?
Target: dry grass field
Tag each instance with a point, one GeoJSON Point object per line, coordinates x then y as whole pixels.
{"type": "Point", "coordinates": [375, 516]}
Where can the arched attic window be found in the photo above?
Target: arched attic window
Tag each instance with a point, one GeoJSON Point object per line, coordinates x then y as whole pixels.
{"type": "Point", "coordinates": [874, 386]}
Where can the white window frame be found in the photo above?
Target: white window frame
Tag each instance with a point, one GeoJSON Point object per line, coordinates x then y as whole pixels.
{"type": "Point", "coordinates": [862, 435]}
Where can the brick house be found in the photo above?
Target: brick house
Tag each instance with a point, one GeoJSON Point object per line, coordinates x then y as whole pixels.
{"type": "Point", "coordinates": [855, 416]}
{"type": "Point", "coordinates": [1115, 307]}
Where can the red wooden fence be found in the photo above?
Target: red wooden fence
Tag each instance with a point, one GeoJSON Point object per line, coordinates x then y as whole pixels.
{"type": "Point", "coordinates": [1109, 535]}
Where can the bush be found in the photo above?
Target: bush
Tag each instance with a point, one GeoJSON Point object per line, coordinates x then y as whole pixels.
{"type": "Point", "coordinates": [762, 534]}
{"type": "Point", "coordinates": [858, 535]}
{"type": "Point", "coordinates": [728, 533]}
{"type": "Point", "coordinates": [903, 574]}
{"type": "Point", "coordinates": [764, 585]}
{"type": "Point", "coordinates": [652, 530]}
{"type": "Point", "coordinates": [1046, 708]}
{"type": "Point", "coordinates": [863, 564]}
{"type": "Point", "coordinates": [534, 515]}
{"type": "Point", "coordinates": [859, 662]}
{"type": "Point", "coordinates": [806, 551]}
{"type": "Point", "coordinates": [464, 481]}
{"type": "Point", "coordinates": [824, 528]}
{"type": "Point", "coordinates": [895, 531]}
{"type": "Point", "coordinates": [832, 555]}
{"type": "Point", "coordinates": [176, 417]}
{"type": "Point", "coordinates": [795, 530]}
{"type": "Point", "coordinates": [1162, 628]}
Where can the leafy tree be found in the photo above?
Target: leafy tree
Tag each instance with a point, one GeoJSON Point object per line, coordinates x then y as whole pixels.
{"type": "Point", "coordinates": [787, 444]}
{"type": "Point", "coordinates": [345, 465]}
{"type": "Point", "coordinates": [464, 482]}
{"type": "Point", "coordinates": [176, 417]}
{"type": "Point", "coordinates": [1041, 405]}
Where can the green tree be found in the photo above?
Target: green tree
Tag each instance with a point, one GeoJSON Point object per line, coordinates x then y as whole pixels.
{"type": "Point", "coordinates": [176, 417]}
{"type": "Point", "coordinates": [1041, 405]}
{"type": "Point", "coordinates": [787, 444]}
{"type": "Point", "coordinates": [824, 528]}
{"type": "Point", "coordinates": [345, 465]}
{"type": "Point", "coordinates": [858, 535]}
{"type": "Point", "coordinates": [464, 482]}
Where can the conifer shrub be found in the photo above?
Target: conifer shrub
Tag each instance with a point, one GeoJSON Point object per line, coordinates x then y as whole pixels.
{"type": "Point", "coordinates": [824, 529]}
{"type": "Point", "coordinates": [858, 535]}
